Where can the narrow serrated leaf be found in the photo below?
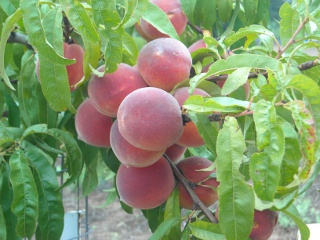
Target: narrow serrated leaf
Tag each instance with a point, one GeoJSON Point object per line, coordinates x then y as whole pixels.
{"type": "Point", "coordinates": [25, 195]}
{"type": "Point", "coordinates": [6, 30]}
{"type": "Point", "coordinates": [3, 230]}
{"type": "Point", "coordinates": [265, 165]}
{"type": "Point", "coordinates": [156, 17]}
{"type": "Point", "coordinates": [141, 6]}
{"type": "Point", "coordinates": [82, 22]}
{"type": "Point", "coordinates": [51, 211]}
{"type": "Point", "coordinates": [294, 215]}
{"type": "Point", "coordinates": [206, 230]}
{"type": "Point", "coordinates": [236, 198]}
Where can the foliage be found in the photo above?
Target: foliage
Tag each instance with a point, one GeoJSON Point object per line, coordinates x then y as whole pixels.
{"type": "Point", "coordinates": [271, 138]}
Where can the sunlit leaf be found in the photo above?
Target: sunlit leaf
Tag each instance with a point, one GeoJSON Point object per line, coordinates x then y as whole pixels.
{"type": "Point", "coordinates": [205, 230]}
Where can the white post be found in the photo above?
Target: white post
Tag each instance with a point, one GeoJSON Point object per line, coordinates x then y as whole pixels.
{"type": "Point", "coordinates": [314, 231]}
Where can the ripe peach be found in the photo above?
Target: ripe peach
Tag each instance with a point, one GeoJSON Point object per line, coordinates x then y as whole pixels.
{"type": "Point", "coordinates": [190, 136]}
{"type": "Point", "coordinates": [92, 126]}
{"type": "Point", "coordinates": [147, 187]}
{"type": "Point", "coordinates": [150, 118]}
{"type": "Point", "coordinates": [175, 152]}
{"type": "Point", "coordinates": [263, 224]}
{"type": "Point", "coordinates": [128, 154]}
{"type": "Point", "coordinates": [164, 62]}
{"type": "Point", "coordinates": [107, 92]}
{"type": "Point", "coordinates": [74, 71]}
{"type": "Point", "coordinates": [175, 14]}
{"type": "Point", "coordinates": [190, 167]}
{"type": "Point", "coordinates": [197, 45]}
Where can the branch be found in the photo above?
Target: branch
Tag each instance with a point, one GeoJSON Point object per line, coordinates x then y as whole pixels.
{"type": "Point", "coordinates": [197, 28]}
{"type": "Point", "coordinates": [16, 37]}
{"type": "Point", "coordinates": [197, 202]}
{"type": "Point", "coordinates": [291, 40]}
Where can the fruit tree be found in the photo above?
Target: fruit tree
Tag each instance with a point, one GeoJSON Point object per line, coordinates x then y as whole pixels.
{"type": "Point", "coordinates": [206, 119]}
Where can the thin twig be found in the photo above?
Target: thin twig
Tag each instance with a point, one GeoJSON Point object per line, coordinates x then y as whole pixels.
{"type": "Point", "coordinates": [291, 40]}
{"type": "Point", "coordinates": [196, 201]}
{"type": "Point", "coordinates": [16, 37]}
{"type": "Point", "coordinates": [197, 28]}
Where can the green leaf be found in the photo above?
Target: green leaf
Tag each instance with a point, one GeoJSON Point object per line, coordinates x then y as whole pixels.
{"type": "Point", "coordinates": [206, 231]}
{"type": "Point", "coordinates": [292, 154]}
{"type": "Point", "coordinates": [246, 31]}
{"type": "Point", "coordinates": [235, 80]}
{"type": "Point", "coordinates": [25, 195]}
{"type": "Point", "coordinates": [129, 8]}
{"type": "Point", "coordinates": [265, 165]}
{"type": "Point", "coordinates": [3, 231]}
{"type": "Point", "coordinates": [155, 217]}
{"type": "Point", "coordinates": [225, 10]}
{"type": "Point", "coordinates": [172, 209]}
{"type": "Point", "coordinates": [205, 13]}
{"type": "Point", "coordinates": [36, 34]}
{"type": "Point", "coordinates": [250, 10]}
{"type": "Point", "coordinates": [207, 130]}
{"type": "Point", "coordinates": [262, 10]}
{"type": "Point", "coordinates": [74, 156]}
{"type": "Point", "coordinates": [27, 92]}
{"type": "Point", "coordinates": [140, 8]}
{"type": "Point", "coordinates": [110, 159]}
{"type": "Point", "coordinates": [13, 110]}
{"type": "Point", "coordinates": [129, 48]}
{"type": "Point", "coordinates": [90, 179]}
{"type": "Point", "coordinates": [294, 215]}
{"type": "Point", "coordinates": [6, 30]}
{"type": "Point", "coordinates": [9, 7]}
{"type": "Point", "coordinates": [105, 12]}
{"type": "Point", "coordinates": [82, 22]}
{"type": "Point", "coordinates": [307, 135]}
{"type": "Point", "coordinates": [6, 197]}
{"type": "Point", "coordinates": [197, 103]}
{"type": "Point", "coordinates": [51, 211]}
{"type": "Point", "coordinates": [234, 62]}
{"type": "Point", "coordinates": [164, 228]}
{"type": "Point", "coordinates": [236, 198]}
{"type": "Point", "coordinates": [157, 18]}
{"type": "Point", "coordinates": [290, 20]}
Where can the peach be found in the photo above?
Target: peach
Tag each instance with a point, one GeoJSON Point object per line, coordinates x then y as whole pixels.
{"type": "Point", "coordinates": [128, 154]}
{"type": "Point", "coordinates": [197, 45]}
{"type": "Point", "coordinates": [190, 136]}
{"type": "Point", "coordinates": [190, 167]}
{"type": "Point", "coordinates": [107, 92]}
{"type": "Point", "coordinates": [74, 71]}
{"type": "Point", "coordinates": [147, 187]}
{"type": "Point", "coordinates": [263, 224]}
{"type": "Point", "coordinates": [175, 14]}
{"type": "Point", "coordinates": [175, 152]}
{"type": "Point", "coordinates": [92, 126]}
{"type": "Point", "coordinates": [150, 118]}
{"type": "Point", "coordinates": [164, 62]}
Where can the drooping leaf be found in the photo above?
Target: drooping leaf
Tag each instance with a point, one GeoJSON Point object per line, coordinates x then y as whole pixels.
{"type": "Point", "coordinates": [164, 228]}
{"type": "Point", "coordinates": [225, 10]}
{"type": "Point", "coordinates": [265, 165]}
{"type": "Point", "coordinates": [155, 16]}
{"type": "Point", "coordinates": [307, 135]}
{"type": "Point", "coordinates": [236, 198]}
{"type": "Point", "coordinates": [141, 6]}
{"type": "Point", "coordinates": [3, 230]}
{"type": "Point", "coordinates": [25, 196]}
{"type": "Point", "coordinates": [205, 13]}
{"type": "Point", "coordinates": [6, 197]}
{"type": "Point", "coordinates": [206, 231]}
{"type": "Point", "coordinates": [51, 211]}
{"type": "Point", "coordinates": [129, 49]}
{"type": "Point", "coordinates": [155, 217]}
{"type": "Point", "coordinates": [81, 21]}
{"type": "Point", "coordinates": [294, 215]}
{"type": "Point", "coordinates": [172, 210]}
{"type": "Point", "coordinates": [6, 30]}
{"type": "Point", "coordinates": [13, 110]}
{"type": "Point", "coordinates": [73, 152]}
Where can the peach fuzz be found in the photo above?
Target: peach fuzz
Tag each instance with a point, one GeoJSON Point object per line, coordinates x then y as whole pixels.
{"type": "Point", "coordinates": [92, 126]}
{"type": "Point", "coordinates": [145, 188]}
